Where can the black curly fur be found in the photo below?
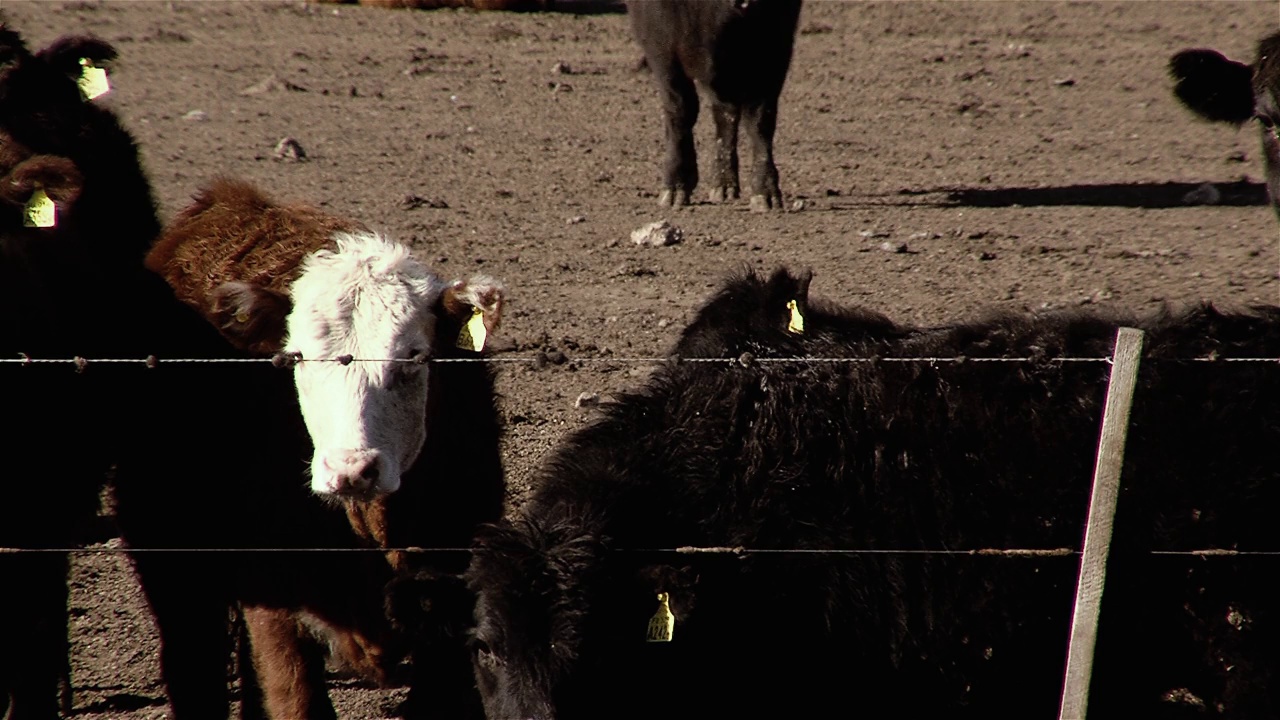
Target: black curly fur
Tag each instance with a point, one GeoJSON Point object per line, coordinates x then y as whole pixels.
{"type": "Point", "coordinates": [894, 456]}
{"type": "Point", "coordinates": [1212, 85]}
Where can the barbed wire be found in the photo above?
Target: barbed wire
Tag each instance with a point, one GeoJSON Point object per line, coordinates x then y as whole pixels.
{"type": "Point", "coordinates": [680, 550]}
{"type": "Point", "coordinates": [745, 359]}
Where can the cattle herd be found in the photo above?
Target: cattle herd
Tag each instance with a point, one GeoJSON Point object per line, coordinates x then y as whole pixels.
{"type": "Point", "coordinates": [830, 486]}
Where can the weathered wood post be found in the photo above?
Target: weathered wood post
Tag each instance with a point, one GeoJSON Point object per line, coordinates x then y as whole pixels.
{"type": "Point", "coordinates": [1097, 534]}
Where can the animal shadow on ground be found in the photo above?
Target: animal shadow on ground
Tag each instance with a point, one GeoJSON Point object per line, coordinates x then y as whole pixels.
{"type": "Point", "coordinates": [1127, 195]}
{"type": "Point", "coordinates": [123, 702]}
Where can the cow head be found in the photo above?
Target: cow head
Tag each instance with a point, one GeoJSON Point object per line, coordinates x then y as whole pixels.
{"type": "Point", "coordinates": [365, 320]}
{"type": "Point", "coordinates": [42, 117]}
{"type": "Point", "coordinates": [1266, 90]}
{"type": "Point", "coordinates": [22, 175]}
{"type": "Point", "coordinates": [561, 621]}
{"type": "Point", "coordinates": [534, 585]}
{"type": "Point", "coordinates": [40, 99]}
{"type": "Point", "coordinates": [1223, 90]}
{"type": "Point", "coordinates": [773, 316]}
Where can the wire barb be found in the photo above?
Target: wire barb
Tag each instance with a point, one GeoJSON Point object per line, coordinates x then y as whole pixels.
{"type": "Point", "coordinates": [286, 359]}
{"type": "Point", "coordinates": [291, 359]}
{"type": "Point", "coordinates": [736, 550]}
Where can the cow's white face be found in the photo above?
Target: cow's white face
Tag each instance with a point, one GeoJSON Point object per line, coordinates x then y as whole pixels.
{"type": "Point", "coordinates": [371, 301]}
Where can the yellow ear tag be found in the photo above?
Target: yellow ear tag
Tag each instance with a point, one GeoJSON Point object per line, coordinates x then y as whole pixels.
{"type": "Point", "coordinates": [663, 623]}
{"type": "Point", "coordinates": [796, 324]}
{"type": "Point", "coordinates": [39, 211]}
{"type": "Point", "coordinates": [473, 333]}
{"type": "Point", "coordinates": [93, 80]}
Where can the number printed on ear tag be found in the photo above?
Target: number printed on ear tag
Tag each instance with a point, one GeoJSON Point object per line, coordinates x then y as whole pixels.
{"type": "Point", "coordinates": [663, 624]}
{"type": "Point", "coordinates": [796, 323]}
{"type": "Point", "coordinates": [473, 333]}
{"type": "Point", "coordinates": [39, 211]}
{"type": "Point", "coordinates": [93, 80]}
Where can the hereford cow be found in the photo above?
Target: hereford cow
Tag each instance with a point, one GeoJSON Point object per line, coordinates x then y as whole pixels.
{"type": "Point", "coordinates": [406, 449]}
{"type": "Point", "coordinates": [585, 609]}
{"type": "Point", "coordinates": [736, 53]}
{"type": "Point", "coordinates": [76, 216]}
{"type": "Point", "coordinates": [1224, 90]}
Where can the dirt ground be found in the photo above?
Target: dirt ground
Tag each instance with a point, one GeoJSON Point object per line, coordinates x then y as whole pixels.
{"type": "Point", "coordinates": [944, 157]}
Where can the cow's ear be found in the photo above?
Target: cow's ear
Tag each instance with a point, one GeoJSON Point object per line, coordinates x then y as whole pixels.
{"type": "Point", "coordinates": [68, 54]}
{"type": "Point", "coordinates": [677, 584]}
{"type": "Point", "coordinates": [1212, 85]}
{"type": "Point", "coordinates": [474, 308]}
{"type": "Point", "coordinates": [12, 49]}
{"type": "Point", "coordinates": [57, 177]}
{"type": "Point", "coordinates": [252, 317]}
{"type": "Point", "coordinates": [788, 298]}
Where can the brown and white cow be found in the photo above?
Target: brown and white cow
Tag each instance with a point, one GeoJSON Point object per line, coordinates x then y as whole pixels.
{"type": "Point", "coordinates": [370, 300]}
{"type": "Point", "coordinates": [259, 270]}
{"type": "Point", "coordinates": [405, 447]}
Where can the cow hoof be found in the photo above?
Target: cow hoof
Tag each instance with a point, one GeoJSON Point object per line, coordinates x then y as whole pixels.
{"type": "Point", "coordinates": [673, 197]}
{"type": "Point", "coordinates": [765, 203]}
{"type": "Point", "coordinates": [721, 194]}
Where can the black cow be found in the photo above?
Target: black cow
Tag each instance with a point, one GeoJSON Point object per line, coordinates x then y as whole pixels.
{"type": "Point", "coordinates": [73, 283]}
{"type": "Point", "coordinates": [738, 53]}
{"type": "Point", "coordinates": [893, 458]}
{"type": "Point", "coordinates": [1223, 90]}
{"type": "Point", "coordinates": [76, 216]}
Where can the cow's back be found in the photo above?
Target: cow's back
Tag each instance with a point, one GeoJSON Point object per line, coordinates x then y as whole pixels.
{"type": "Point", "coordinates": [918, 456]}
{"type": "Point", "coordinates": [233, 232]}
{"type": "Point", "coordinates": [741, 53]}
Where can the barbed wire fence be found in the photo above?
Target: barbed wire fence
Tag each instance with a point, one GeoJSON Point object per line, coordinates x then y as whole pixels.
{"type": "Point", "coordinates": [288, 360]}
{"type": "Point", "coordinates": [1092, 557]}
{"type": "Point", "coordinates": [746, 360]}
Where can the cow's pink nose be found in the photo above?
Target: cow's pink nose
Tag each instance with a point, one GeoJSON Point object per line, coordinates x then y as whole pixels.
{"type": "Point", "coordinates": [355, 472]}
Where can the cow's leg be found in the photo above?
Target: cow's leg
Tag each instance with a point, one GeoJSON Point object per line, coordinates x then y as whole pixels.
{"type": "Point", "coordinates": [680, 111]}
{"type": "Point", "coordinates": [289, 664]}
{"type": "Point", "coordinates": [191, 617]}
{"type": "Point", "coordinates": [443, 685]}
{"type": "Point", "coordinates": [725, 185]}
{"type": "Point", "coordinates": [33, 634]}
{"type": "Point", "coordinates": [251, 703]}
{"type": "Point", "coordinates": [762, 120]}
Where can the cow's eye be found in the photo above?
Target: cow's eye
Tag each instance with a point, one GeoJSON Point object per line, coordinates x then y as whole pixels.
{"type": "Point", "coordinates": [400, 374]}
{"type": "Point", "coordinates": [484, 654]}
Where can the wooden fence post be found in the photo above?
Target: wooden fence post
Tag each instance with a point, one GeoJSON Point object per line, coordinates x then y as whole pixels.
{"type": "Point", "coordinates": [1097, 534]}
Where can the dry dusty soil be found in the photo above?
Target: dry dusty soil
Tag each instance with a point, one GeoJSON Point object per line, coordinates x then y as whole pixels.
{"type": "Point", "coordinates": [944, 158]}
